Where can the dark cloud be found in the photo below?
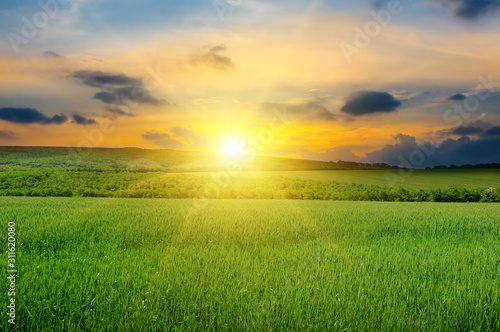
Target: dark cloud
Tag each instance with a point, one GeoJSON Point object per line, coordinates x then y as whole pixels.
{"type": "Point", "coordinates": [108, 97]}
{"type": "Point", "coordinates": [6, 134]}
{"type": "Point", "coordinates": [196, 140]}
{"type": "Point", "coordinates": [457, 97]}
{"type": "Point", "coordinates": [459, 152]}
{"type": "Point", "coordinates": [118, 89]}
{"type": "Point", "coordinates": [29, 116]}
{"type": "Point", "coordinates": [123, 96]}
{"type": "Point", "coordinates": [119, 111]}
{"type": "Point", "coordinates": [52, 54]}
{"type": "Point", "coordinates": [163, 140]}
{"type": "Point", "coordinates": [106, 80]}
{"type": "Point", "coordinates": [491, 104]}
{"type": "Point", "coordinates": [495, 131]}
{"type": "Point", "coordinates": [466, 151]}
{"type": "Point", "coordinates": [369, 102]}
{"type": "Point", "coordinates": [478, 127]}
{"type": "Point", "coordinates": [390, 153]}
{"type": "Point", "coordinates": [81, 120]}
{"type": "Point", "coordinates": [311, 110]}
{"type": "Point", "coordinates": [470, 10]}
{"type": "Point", "coordinates": [466, 130]}
{"type": "Point", "coordinates": [407, 152]}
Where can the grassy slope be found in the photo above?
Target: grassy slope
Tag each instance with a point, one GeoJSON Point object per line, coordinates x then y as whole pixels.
{"type": "Point", "coordinates": [134, 158]}
{"type": "Point", "coordinates": [125, 264]}
{"type": "Point", "coordinates": [419, 179]}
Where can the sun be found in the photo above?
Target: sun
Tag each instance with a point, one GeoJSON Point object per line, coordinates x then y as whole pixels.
{"type": "Point", "coordinates": [231, 147]}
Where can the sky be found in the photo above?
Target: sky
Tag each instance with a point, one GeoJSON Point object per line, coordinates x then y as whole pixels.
{"type": "Point", "coordinates": [409, 83]}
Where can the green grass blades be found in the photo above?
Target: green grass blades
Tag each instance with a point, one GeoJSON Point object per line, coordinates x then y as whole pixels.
{"type": "Point", "coordinates": [88, 264]}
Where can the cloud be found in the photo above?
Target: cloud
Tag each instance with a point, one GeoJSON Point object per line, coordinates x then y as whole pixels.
{"type": "Point", "coordinates": [480, 124]}
{"type": "Point", "coordinates": [459, 152]}
{"type": "Point", "coordinates": [213, 59]}
{"type": "Point", "coordinates": [81, 120]}
{"type": "Point", "coordinates": [29, 116]}
{"type": "Point", "coordinates": [52, 54]}
{"type": "Point", "coordinates": [369, 102]}
{"type": "Point", "coordinates": [106, 80]}
{"type": "Point", "coordinates": [122, 96]}
{"type": "Point", "coordinates": [6, 134]}
{"type": "Point", "coordinates": [470, 10]}
{"type": "Point", "coordinates": [217, 48]}
{"type": "Point", "coordinates": [466, 130]}
{"type": "Point", "coordinates": [390, 153]}
{"type": "Point", "coordinates": [163, 140]}
{"type": "Point", "coordinates": [118, 111]}
{"type": "Point", "coordinates": [118, 89]}
{"type": "Point", "coordinates": [196, 140]}
{"type": "Point", "coordinates": [378, 4]}
{"type": "Point", "coordinates": [495, 131]}
{"type": "Point", "coordinates": [406, 152]}
{"type": "Point", "coordinates": [310, 110]}
{"type": "Point", "coordinates": [457, 97]}
{"type": "Point", "coordinates": [466, 151]}
{"type": "Point", "coordinates": [478, 127]}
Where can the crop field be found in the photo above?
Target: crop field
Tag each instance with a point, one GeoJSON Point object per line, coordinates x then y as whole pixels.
{"type": "Point", "coordinates": [417, 179]}
{"type": "Point", "coordinates": [253, 265]}
{"type": "Point", "coordinates": [255, 185]}
{"type": "Point", "coordinates": [411, 179]}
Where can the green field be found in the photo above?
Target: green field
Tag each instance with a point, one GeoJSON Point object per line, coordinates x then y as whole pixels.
{"type": "Point", "coordinates": [26, 157]}
{"type": "Point", "coordinates": [138, 173]}
{"type": "Point", "coordinates": [255, 185]}
{"type": "Point", "coordinates": [253, 265]}
{"type": "Point", "coordinates": [417, 179]}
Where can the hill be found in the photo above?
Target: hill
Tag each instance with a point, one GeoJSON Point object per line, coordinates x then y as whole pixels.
{"type": "Point", "coordinates": [135, 159]}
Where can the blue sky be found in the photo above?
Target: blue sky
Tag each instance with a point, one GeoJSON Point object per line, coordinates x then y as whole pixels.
{"type": "Point", "coordinates": [88, 22]}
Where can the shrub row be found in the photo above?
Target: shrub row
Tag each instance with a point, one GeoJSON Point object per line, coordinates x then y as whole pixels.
{"type": "Point", "coordinates": [160, 185]}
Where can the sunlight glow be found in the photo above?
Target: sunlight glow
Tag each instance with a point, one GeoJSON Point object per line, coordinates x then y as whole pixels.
{"type": "Point", "coordinates": [231, 147]}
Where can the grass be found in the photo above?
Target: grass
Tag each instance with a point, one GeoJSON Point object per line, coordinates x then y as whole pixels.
{"type": "Point", "coordinates": [247, 265]}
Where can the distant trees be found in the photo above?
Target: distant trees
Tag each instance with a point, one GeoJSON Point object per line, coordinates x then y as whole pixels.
{"type": "Point", "coordinates": [468, 166]}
